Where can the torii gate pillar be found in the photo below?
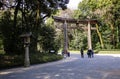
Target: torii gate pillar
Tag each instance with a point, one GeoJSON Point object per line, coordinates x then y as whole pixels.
{"type": "Point", "coordinates": [89, 36]}
{"type": "Point", "coordinates": [65, 37]}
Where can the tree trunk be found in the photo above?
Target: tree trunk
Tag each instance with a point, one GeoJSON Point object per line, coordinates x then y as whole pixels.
{"type": "Point", "coordinates": [100, 37]}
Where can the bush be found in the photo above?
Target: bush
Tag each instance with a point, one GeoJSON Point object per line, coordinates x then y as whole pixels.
{"type": "Point", "coordinates": [43, 57]}
{"type": "Point", "coordinates": [9, 61]}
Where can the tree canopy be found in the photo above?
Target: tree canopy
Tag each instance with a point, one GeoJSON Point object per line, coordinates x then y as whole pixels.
{"type": "Point", "coordinates": [25, 16]}
{"type": "Point", "coordinates": [107, 14]}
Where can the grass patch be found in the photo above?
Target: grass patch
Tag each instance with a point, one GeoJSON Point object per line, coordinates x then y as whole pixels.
{"type": "Point", "coordinates": [99, 51]}
{"type": "Point", "coordinates": [109, 52]}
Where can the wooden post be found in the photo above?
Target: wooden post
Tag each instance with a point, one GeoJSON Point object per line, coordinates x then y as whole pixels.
{"type": "Point", "coordinates": [89, 36]}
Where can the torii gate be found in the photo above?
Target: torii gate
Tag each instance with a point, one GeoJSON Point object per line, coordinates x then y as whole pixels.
{"type": "Point", "coordinates": [69, 20]}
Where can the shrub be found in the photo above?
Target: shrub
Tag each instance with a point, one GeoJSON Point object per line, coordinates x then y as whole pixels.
{"type": "Point", "coordinates": [9, 61]}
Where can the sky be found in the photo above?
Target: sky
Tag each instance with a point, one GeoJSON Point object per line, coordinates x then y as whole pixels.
{"type": "Point", "coordinates": [73, 4]}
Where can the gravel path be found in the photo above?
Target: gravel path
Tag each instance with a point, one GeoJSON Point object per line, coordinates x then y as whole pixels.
{"type": "Point", "coordinates": [100, 67]}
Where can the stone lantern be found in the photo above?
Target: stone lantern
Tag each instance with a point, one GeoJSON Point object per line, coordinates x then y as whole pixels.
{"type": "Point", "coordinates": [26, 38]}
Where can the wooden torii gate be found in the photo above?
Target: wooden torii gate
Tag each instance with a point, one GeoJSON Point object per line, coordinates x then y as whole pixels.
{"type": "Point", "coordinates": [69, 20]}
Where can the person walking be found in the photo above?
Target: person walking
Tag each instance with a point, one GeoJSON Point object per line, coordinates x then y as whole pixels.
{"type": "Point", "coordinates": [92, 53]}
{"type": "Point", "coordinates": [89, 53]}
{"type": "Point", "coordinates": [68, 53]}
{"type": "Point", "coordinates": [82, 53]}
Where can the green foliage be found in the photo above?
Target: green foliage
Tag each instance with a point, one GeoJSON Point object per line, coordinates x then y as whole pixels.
{"type": "Point", "coordinates": [97, 46]}
{"type": "Point", "coordinates": [10, 35]}
{"type": "Point", "coordinates": [8, 61]}
{"type": "Point", "coordinates": [79, 40]}
{"type": "Point", "coordinates": [107, 14]}
{"type": "Point", "coordinates": [27, 16]}
{"type": "Point", "coordinates": [24, 17]}
{"type": "Point", "coordinates": [47, 39]}
{"type": "Point", "coordinates": [44, 57]}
